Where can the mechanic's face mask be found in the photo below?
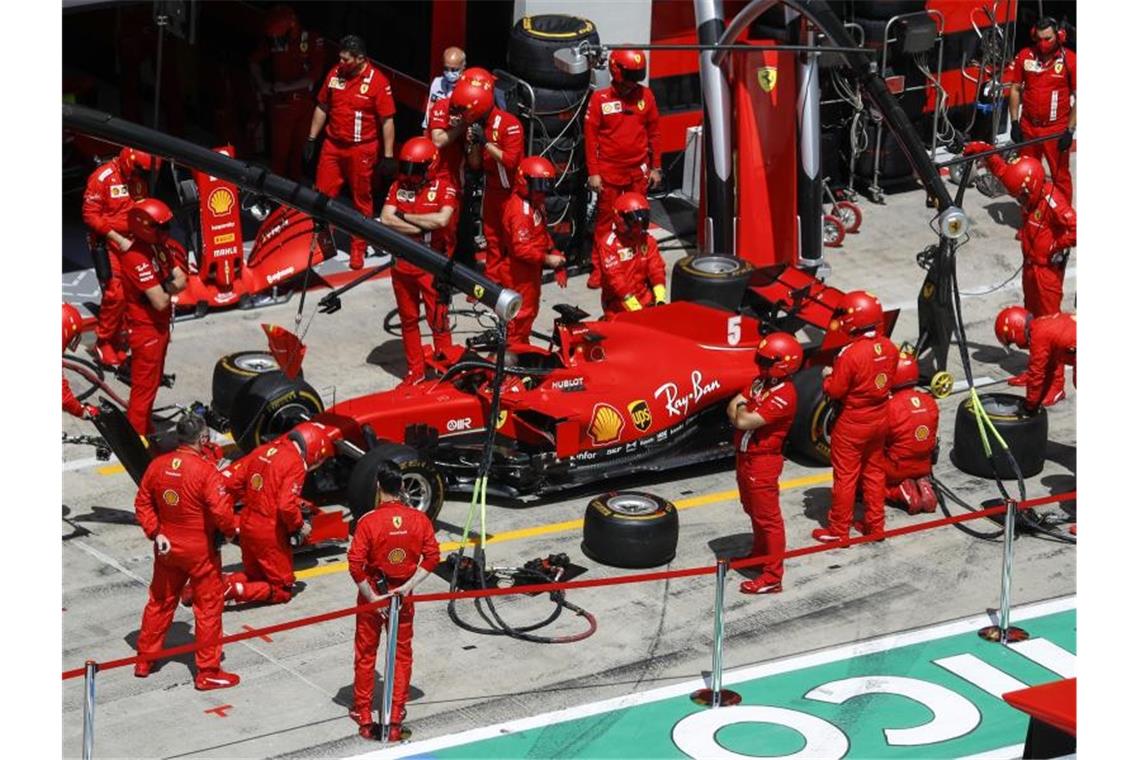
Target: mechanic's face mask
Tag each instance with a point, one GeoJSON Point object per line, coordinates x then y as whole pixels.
{"type": "Point", "coordinates": [452, 75]}
{"type": "Point", "coordinates": [540, 185]}
{"type": "Point", "coordinates": [636, 222]}
{"type": "Point", "coordinates": [1047, 47]}
{"type": "Point", "coordinates": [348, 69]}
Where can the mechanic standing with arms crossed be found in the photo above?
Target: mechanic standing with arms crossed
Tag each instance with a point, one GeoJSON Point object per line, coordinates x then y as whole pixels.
{"type": "Point", "coordinates": [355, 102]}
{"type": "Point", "coordinates": [762, 414]}
{"type": "Point", "coordinates": [154, 269]}
{"type": "Point", "coordinates": [860, 382]}
{"type": "Point", "coordinates": [421, 204]}
{"type": "Point", "coordinates": [623, 143]}
{"type": "Point", "coordinates": [1044, 79]}
{"type": "Point", "coordinates": [181, 504]}
{"type": "Point", "coordinates": [393, 549]}
{"type": "Point", "coordinates": [269, 487]}
{"type": "Point", "coordinates": [111, 192]}
{"type": "Point", "coordinates": [633, 272]}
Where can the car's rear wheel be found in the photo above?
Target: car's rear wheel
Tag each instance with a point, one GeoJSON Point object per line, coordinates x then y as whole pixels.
{"type": "Point", "coordinates": [270, 405]}
{"type": "Point", "coordinates": [631, 529]}
{"type": "Point", "coordinates": [810, 434]}
{"type": "Point", "coordinates": [712, 279]}
{"type": "Point", "coordinates": [233, 371]}
{"type": "Point", "coordinates": [422, 488]}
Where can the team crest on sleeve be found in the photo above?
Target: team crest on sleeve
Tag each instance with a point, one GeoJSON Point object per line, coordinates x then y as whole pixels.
{"type": "Point", "coordinates": [915, 402]}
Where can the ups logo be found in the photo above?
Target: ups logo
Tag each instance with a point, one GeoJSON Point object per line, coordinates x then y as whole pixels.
{"type": "Point", "coordinates": [640, 415]}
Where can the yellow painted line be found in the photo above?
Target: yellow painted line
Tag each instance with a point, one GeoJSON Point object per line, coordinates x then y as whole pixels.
{"type": "Point", "coordinates": [115, 469]}
{"type": "Point", "coordinates": [569, 525]}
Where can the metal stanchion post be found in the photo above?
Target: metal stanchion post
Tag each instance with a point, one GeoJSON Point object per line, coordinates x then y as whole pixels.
{"type": "Point", "coordinates": [716, 696]}
{"type": "Point", "coordinates": [389, 666]}
{"type": "Point", "coordinates": [1003, 632]}
{"type": "Point", "coordinates": [89, 709]}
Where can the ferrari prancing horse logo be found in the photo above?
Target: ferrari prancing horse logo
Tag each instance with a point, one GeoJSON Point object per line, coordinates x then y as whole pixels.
{"type": "Point", "coordinates": [766, 76]}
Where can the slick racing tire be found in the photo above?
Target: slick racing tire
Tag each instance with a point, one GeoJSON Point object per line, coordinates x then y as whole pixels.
{"type": "Point", "coordinates": [233, 371]}
{"type": "Point", "coordinates": [270, 405]}
{"type": "Point", "coordinates": [833, 231]}
{"type": "Point", "coordinates": [423, 485]}
{"type": "Point", "coordinates": [1026, 434]}
{"type": "Point", "coordinates": [533, 42]}
{"type": "Point", "coordinates": [713, 279]}
{"type": "Point", "coordinates": [631, 529]}
{"type": "Point", "coordinates": [810, 434]}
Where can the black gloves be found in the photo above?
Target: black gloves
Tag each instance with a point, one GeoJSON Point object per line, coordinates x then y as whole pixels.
{"type": "Point", "coordinates": [1015, 132]}
{"type": "Point", "coordinates": [1065, 141]}
{"type": "Point", "coordinates": [386, 166]}
{"type": "Point", "coordinates": [478, 137]}
{"type": "Point", "coordinates": [310, 151]}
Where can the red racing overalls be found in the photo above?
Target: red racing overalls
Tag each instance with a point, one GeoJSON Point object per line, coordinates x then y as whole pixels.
{"type": "Point", "coordinates": [528, 243]}
{"type": "Point", "coordinates": [297, 65]}
{"type": "Point", "coordinates": [506, 131]}
{"type": "Point", "coordinates": [1052, 347]}
{"type": "Point", "coordinates": [912, 436]}
{"type": "Point", "coordinates": [1046, 88]}
{"type": "Point", "coordinates": [629, 269]}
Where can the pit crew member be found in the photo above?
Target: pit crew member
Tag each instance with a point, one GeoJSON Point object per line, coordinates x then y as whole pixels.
{"type": "Point", "coordinates": [1052, 344]}
{"type": "Point", "coordinates": [392, 551]}
{"type": "Point", "coordinates": [762, 414]}
{"type": "Point", "coordinates": [72, 327]}
{"type": "Point", "coordinates": [633, 272]}
{"type": "Point", "coordinates": [181, 505]}
{"type": "Point", "coordinates": [912, 437]}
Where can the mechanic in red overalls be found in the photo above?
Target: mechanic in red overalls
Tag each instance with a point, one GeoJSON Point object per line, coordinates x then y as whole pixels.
{"type": "Point", "coordinates": [1052, 344]}
{"type": "Point", "coordinates": [421, 204]}
{"type": "Point", "coordinates": [762, 414]}
{"type": "Point", "coordinates": [1048, 228]}
{"type": "Point", "coordinates": [296, 59]}
{"type": "Point", "coordinates": [181, 505]}
{"type": "Point", "coordinates": [1043, 79]}
{"type": "Point", "coordinates": [448, 131]}
{"type": "Point", "coordinates": [912, 437]}
{"type": "Point", "coordinates": [528, 243]}
{"type": "Point", "coordinates": [392, 550]}
{"type": "Point", "coordinates": [154, 269]}
{"type": "Point", "coordinates": [633, 273]}
{"type": "Point", "coordinates": [860, 382]}
{"type": "Point", "coordinates": [72, 328]}
{"type": "Point", "coordinates": [356, 103]}
{"type": "Point", "coordinates": [269, 483]}
{"type": "Point", "coordinates": [112, 190]}
{"type": "Point", "coordinates": [493, 145]}
{"type": "Point", "coordinates": [623, 143]}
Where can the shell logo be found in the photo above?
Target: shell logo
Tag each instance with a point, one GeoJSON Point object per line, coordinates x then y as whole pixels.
{"type": "Point", "coordinates": [881, 380]}
{"type": "Point", "coordinates": [221, 201]}
{"type": "Point", "coordinates": [921, 433]}
{"type": "Point", "coordinates": [396, 556]}
{"type": "Point", "coordinates": [256, 482]}
{"type": "Point", "coordinates": [170, 496]}
{"type": "Point", "coordinates": [606, 425]}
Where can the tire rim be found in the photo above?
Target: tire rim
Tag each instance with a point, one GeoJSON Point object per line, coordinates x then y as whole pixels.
{"type": "Point", "coordinates": [830, 232]}
{"type": "Point", "coordinates": [257, 363]}
{"type": "Point", "coordinates": [845, 215]}
{"type": "Point", "coordinates": [284, 420]}
{"type": "Point", "coordinates": [632, 504]}
{"type": "Point", "coordinates": [416, 491]}
{"type": "Point", "coordinates": [717, 265]}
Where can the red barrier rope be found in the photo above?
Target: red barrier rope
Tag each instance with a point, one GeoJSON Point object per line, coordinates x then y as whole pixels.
{"type": "Point", "coordinates": [570, 585]}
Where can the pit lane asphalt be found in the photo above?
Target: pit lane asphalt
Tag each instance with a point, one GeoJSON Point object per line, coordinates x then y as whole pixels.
{"type": "Point", "coordinates": [296, 687]}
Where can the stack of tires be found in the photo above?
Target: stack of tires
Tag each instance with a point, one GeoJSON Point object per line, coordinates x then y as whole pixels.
{"type": "Point", "coordinates": [555, 118]}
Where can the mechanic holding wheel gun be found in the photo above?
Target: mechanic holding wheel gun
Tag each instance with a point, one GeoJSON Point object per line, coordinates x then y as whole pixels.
{"type": "Point", "coordinates": [633, 273]}
{"type": "Point", "coordinates": [393, 549]}
{"type": "Point", "coordinates": [762, 415]}
{"type": "Point", "coordinates": [72, 324]}
{"type": "Point", "coordinates": [154, 269]}
{"type": "Point", "coordinates": [421, 204]}
{"type": "Point", "coordinates": [269, 483]}
{"type": "Point", "coordinates": [860, 382]}
{"type": "Point", "coordinates": [181, 505]}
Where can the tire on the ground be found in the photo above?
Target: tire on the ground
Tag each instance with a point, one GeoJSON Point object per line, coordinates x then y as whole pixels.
{"type": "Point", "coordinates": [270, 405]}
{"type": "Point", "coordinates": [810, 434]}
{"type": "Point", "coordinates": [233, 371]}
{"type": "Point", "coordinates": [423, 484]}
{"type": "Point", "coordinates": [631, 529]}
{"type": "Point", "coordinates": [711, 279]}
{"type": "Point", "coordinates": [533, 41]}
{"type": "Point", "coordinates": [1026, 434]}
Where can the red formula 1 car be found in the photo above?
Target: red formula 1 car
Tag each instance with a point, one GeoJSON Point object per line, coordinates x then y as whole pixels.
{"type": "Point", "coordinates": [643, 392]}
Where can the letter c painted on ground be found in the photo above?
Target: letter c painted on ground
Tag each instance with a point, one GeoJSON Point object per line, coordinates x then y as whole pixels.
{"type": "Point", "coordinates": [695, 735]}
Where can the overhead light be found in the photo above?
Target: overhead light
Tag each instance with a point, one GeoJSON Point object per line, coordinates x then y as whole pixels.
{"type": "Point", "coordinates": [953, 223]}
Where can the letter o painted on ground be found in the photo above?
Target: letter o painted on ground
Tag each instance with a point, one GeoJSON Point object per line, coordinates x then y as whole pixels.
{"type": "Point", "coordinates": [696, 734]}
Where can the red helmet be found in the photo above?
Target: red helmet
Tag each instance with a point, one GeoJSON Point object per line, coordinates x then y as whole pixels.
{"type": "Point", "coordinates": [314, 440]}
{"type": "Point", "coordinates": [1024, 178]}
{"type": "Point", "coordinates": [1012, 326]}
{"type": "Point", "coordinates": [281, 23]}
{"type": "Point", "coordinates": [149, 220]}
{"type": "Point", "coordinates": [134, 160]}
{"type": "Point", "coordinates": [534, 175]}
{"type": "Point", "coordinates": [473, 100]}
{"type": "Point", "coordinates": [858, 311]}
{"type": "Point", "coordinates": [478, 76]}
{"type": "Point", "coordinates": [72, 327]}
{"type": "Point", "coordinates": [906, 371]}
{"type": "Point", "coordinates": [627, 66]}
{"type": "Point", "coordinates": [418, 156]}
{"type": "Point", "coordinates": [778, 355]}
{"type": "Point", "coordinates": [631, 212]}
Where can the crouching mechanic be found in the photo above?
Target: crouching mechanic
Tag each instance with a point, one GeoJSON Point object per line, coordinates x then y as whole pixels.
{"type": "Point", "coordinates": [421, 204]}
{"type": "Point", "coordinates": [633, 273]}
{"type": "Point", "coordinates": [529, 246]}
{"type": "Point", "coordinates": [72, 324]}
{"type": "Point", "coordinates": [860, 381]}
{"type": "Point", "coordinates": [270, 482]}
{"type": "Point", "coordinates": [912, 437]}
{"type": "Point", "coordinates": [762, 415]}
{"type": "Point", "coordinates": [181, 504]}
{"type": "Point", "coordinates": [392, 551]}
{"type": "Point", "coordinates": [1052, 344]}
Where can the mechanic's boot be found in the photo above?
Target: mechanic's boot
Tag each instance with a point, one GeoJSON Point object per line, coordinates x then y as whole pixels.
{"type": "Point", "coordinates": [356, 258]}
{"type": "Point", "coordinates": [873, 532]}
{"type": "Point", "coordinates": [1073, 529]}
{"type": "Point", "coordinates": [215, 678]}
{"type": "Point", "coordinates": [1019, 380]}
{"type": "Point", "coordinates": [104, 353]}
{"type": "Point", "coordinates": [828, 536]}
{"type": "Point", "coordinates": [594, 281]}
{"type": "Point", "coordinates": [911, 497]}
{"type": "Point", "coordinates": [361, 716]}
{"type": "Point", "coordinates": [763, 584]}
{"type": "Point", "coordinates": [1055, 397]}
{"type": "Point", "coordinates": [143, 668]}
{"type": "Point", "coordinates": [929, 499]}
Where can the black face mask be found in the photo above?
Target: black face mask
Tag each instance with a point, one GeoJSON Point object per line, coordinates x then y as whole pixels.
{"type": "Point", "coordinates": [543, 185]}
{"type": "Point", "coordinates": [639, 218]}
{"type": "Point", "coordinates": [415, 172]}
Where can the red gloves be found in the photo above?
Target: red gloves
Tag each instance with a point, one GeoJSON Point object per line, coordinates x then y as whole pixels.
{"type": "Point", "coordinates": [561, 277]}
{"type": "Point", "coordinates": [976, 146]}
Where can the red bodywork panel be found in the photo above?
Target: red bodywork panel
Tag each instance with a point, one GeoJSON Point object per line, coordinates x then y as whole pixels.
{"type": "Point", "coordinates": [220, 216]}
